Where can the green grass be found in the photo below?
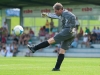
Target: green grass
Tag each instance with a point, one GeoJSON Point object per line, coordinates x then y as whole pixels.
{"type": "Point", "coordinates": [43, 66]}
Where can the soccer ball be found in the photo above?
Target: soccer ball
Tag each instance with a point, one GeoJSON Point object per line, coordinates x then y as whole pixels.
{"type": "Point", "coordinates": [18, 30]}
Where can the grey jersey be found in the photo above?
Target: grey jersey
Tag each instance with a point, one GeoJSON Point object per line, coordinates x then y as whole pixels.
{"type": "Point", "coordinates": [67, 19]}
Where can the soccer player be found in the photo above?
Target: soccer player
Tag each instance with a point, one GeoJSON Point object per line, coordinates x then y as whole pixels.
{"type": "Point", "coordinates": [65, 36]}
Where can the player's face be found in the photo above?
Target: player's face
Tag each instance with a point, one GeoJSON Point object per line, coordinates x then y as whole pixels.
{"type": "Point", "coordinates": [58, 12]}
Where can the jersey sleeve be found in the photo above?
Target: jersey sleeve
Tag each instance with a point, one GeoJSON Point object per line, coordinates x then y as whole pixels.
{"type": "Point", "coordinates": [53, 15]}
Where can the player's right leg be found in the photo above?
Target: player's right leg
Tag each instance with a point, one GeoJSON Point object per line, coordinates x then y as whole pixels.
{"type": "Point", "coordinates": [41, 45]}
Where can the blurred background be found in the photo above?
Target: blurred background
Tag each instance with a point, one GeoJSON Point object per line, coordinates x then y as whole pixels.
{"type": "Point", "coordinates": [37, 29]}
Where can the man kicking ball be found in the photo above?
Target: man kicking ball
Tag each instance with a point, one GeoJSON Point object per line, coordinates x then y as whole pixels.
{"type": "Point", "coordinates": [65, 36]}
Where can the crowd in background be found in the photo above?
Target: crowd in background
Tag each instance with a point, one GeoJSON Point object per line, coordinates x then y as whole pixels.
{"type": "Point", "coordinates": [9, 50]}
{"type": "Point", "coordinates": [88, 37]}
{"type": "Point", "coordinates": [46, 31]}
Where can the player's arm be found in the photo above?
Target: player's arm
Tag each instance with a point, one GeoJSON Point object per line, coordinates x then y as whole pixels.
{"type": "Point", "coordinates": [50, 15]}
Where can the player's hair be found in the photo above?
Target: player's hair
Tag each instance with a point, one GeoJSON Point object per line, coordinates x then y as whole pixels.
{"type": "Point", "coordinates": [58, 6]}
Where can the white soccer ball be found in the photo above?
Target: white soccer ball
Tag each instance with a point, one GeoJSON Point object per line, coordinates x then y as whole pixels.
{"type": "Point", "coordinates": [18, 30]}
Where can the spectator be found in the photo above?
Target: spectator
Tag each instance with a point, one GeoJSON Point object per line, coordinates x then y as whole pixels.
{"type": "Point", "coordinates": [87, 30]}
{"type": "Point", "coordinates": [47, 36]}
{"type": "Point", "coordinates": [98, 35]}
{"type": "Point", "coordinates": [52, 34]}
{"type": "Point", "coordinates": [3, 51]}
{"type": "Point", "coordinates": [5, 32]}
{"type": "Point", "coordinates": [54, 30]}
{"type": "Point", "coordinates": [93, 37]}
{"type": "Point", "coordinates": [14, 48]}
{"type": "Point", "coordinates": [26, 39]}
{"type": "Point", "coordinates": [94, 30]}
{"type": "Point", "coordinates": [74, 43]}
{"type": "Point", "coordinates": [3, 39]}
{"type": "Point", "coordinates": [51, 25]}
{"type": "Point", "coordinates": [9, 51]}
{"type": "Point", "coordinates": [42, 31]}
{"type": "Point", "coordinates": [5, 25]}
{"type": "Point", "coordinates": [26, 30]}
{"type": "Point", "coordinates": [80, 32]}
{"type": "Point", "coordinates": [21, 39]}
{"type": "Point", "coordinates": [15, 40]}
{"type": "Point", "coordinates": [47, 26]}
{"type": "Point", "coordinates": [15, 51]}
{"type": "Point", "coordinates": [98, 30]}
{"type": "Point", "coordinates": [85, 41]}
{"type": "Point", "coordinates": [31, 32]}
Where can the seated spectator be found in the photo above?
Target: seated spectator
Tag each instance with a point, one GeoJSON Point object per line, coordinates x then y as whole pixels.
{"type": "Point", "coordinates": [5, 33]}
{"type": "Point", "coordinates": [3, 50]}
{"type": "Point", "coordinates": [98, 37]}
{"type": "Point", "coordinates": [51, 25]}
{"type": "Point", "coordinates": [47, 36]}
{"type": "Point", "coordinates": [54, 30]}
{"type": "Point", "coordinates": [15, 40]}
{"type": "Point", "coordinates": [93, 37]}
{"type": "Point", "coordinates": [97, 30]}
{"type": "Point", "coordinates": [42, 31]}
{"type": "Point", "coordinates": [9, 51]}
{"type": "Point", "coordinates": [3, 39]}
{"type": "Point", "coordinates": [52, 34]}
{"type": "Point", "coordinates": [94, 30]}
{"type": "Point", "coordinates": [31, 32]}
{"type": "Point", "coordinates": [15, 51]}
{"type": "Point", "coordinates": [26, 39]}
{"type": "Point", "coordinates": [26, 30]}
{"type": "Point", "coordinates": [87, 30]}
{"type": "Point", "coordinates": [21, 39]}
{"type": "Point", "coordinates": [74, 43]}
{"type": "Point", "coordinates": [85, 40]}
{"type": "Point", "coordinates": [80, 32]}
{"type": "Point", "coordinates": [5, 26]}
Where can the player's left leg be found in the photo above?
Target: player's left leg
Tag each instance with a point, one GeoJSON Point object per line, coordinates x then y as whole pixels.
{"type": "Point", "coordinates": [59, 60]}
{"type": "Point", "coordinates": [64, 46]}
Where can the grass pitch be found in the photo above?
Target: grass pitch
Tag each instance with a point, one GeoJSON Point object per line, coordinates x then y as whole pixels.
{"type": "Point", "coordinates": [43, 66]}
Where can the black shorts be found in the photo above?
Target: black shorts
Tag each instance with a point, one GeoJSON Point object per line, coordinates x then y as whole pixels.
{"type": "Point", "coordinates": [64, 37]}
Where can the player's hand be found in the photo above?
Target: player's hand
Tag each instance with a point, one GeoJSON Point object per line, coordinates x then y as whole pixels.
{"type": "Point", "coordinates": [44, 14]}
